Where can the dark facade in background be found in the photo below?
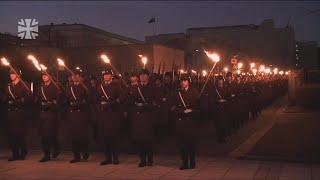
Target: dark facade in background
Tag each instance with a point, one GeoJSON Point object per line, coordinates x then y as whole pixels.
{"type": "Point", "coordinates": [251, 42]}
{"type": "Point", "coordinates": [81, 45]}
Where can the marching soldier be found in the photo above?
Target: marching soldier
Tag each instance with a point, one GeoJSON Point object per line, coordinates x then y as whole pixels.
{"type": "Point", "coordinates": [142, 99]}
{"type": "Point", "coordinates": [133, 84]}
{"type": "Point", "coordinates": [78, 117]}
{"type": "Point", "coordinates": [185, 105]}
{"type": "Point", "coordinates": [218, 99]}
{"type": "Point", "coordinates": [49, 97]}
{"type": "Point", "coordinates": [17, 96]}
{"type": "Point", "coordinates": [110, 116]}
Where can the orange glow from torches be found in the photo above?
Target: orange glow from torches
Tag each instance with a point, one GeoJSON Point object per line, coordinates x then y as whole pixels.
{"type": "Point", "coordinates": [240, 65]}
{"type": "Point", "coordinates": [262, 68]}
{"type": "Point", "coordinates": [61, 62]}
{"type": "Point", "coordinates": [275, 71]}
{"type": "Point", "coordinates": [213, 56]}
{"type": "Point", "coordinates": [204, 73]}
{"type": "Point", "coordinates": [254, 71]}
{"type": "Point", "coordinates": [252, 65]}
{"type": "Point", "coordinates": [5, 62]}
{"type": "Point", "coordinates": [281, 72]}
{"type": "Point", "coordinates": [105, 58]}
{"type": "Point", "coordinates": [267, 71]}
{"type": "Point", "coordinates": [43, 67]}
{"type": "Point", "coordinates": [226, 69]}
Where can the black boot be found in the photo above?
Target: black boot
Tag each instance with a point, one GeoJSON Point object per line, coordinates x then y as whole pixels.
{"type": "Point", "coordinates": [85, 156]}
{"type": "Point", "coordinates": [184, 159]}
{"type": "Point", "coordinates": [192, 157]}
{"type": "Point", "coordinates": [45, 158]}
{"type": "Point", "coordinates": [142, 159]}
{"type": "Point", "coordinates": [107, 159]}
{"type": "Point", "coordinates": [115, 158]}
{"type": "Point", "coordinates": [76, 157]}
{"type": "Point", "coordinates": [55, 154]}
{"type": "Point", "coordinates": [150, 158]}
{"type": "Point", "coordinates": [23, 153]}
{"type": "Point", "coordinates": [15, 156]}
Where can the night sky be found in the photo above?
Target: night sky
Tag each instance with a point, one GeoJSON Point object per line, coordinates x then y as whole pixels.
{"type": "Point", "coordinates": [130, 18]}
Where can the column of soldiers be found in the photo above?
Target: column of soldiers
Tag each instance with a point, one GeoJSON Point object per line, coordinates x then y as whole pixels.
{"type": "Point", "coordinates": [147, 106]}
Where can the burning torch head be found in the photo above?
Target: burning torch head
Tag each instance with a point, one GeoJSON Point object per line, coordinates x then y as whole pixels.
{"type": "Point", "coordinates": [213, 56]}
{"type": "Point", "coordinates": [105, 58]}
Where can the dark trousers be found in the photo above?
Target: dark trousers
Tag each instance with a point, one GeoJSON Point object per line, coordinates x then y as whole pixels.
{"type": "Point", "coordinates": [79, 146]}
{"type": "Point", "coordinates": [17, 145]}
{"type": "Point", "coordinates": [145, 152]}
{"type": "Point", "coordinates": [111, 148]}
{"type": "Point", "coordinates": [49, 144]}
{"type": "Point", "coordinates": [188, 156]}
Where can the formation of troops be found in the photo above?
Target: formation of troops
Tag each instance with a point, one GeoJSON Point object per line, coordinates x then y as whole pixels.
{"type": "Point", "coordinates": [146, 105]}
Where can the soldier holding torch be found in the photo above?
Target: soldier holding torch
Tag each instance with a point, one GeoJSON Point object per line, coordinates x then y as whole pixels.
{"type": "Point", "coordinates": [17, 96]}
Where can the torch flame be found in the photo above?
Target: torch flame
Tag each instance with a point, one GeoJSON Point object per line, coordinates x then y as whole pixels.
{"type": "Point", "coordinates": [252, 65]}
{"type": "Point", "coordinates": [38, 67]}
{"type": "Point", "coordinates": [262, 68]}
{"type": "Point", "coordinates": [5, 61]}
{"type": "Point", "coordinates": [193, 71]}
{"type": "Point", "coordinates": [60, 62]}
{"type": "Point", "coordinates": [213, 56]}
{"type": "Point", "coordinates": [43, 67]}
{"type": "Point", "coordinates": [144, 60]}
{"type": "Point", "coordinates": [105, 58]}
{"type": "Point", "coordinates": [240, 65]}
{"type": "Point", "coordinates": [204, 73]}
{"type": "Point", "coordinates": [226, 69]}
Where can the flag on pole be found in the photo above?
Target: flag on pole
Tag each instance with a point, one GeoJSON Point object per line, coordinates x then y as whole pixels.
{"type": "Point", "coordinates": [152, 20]}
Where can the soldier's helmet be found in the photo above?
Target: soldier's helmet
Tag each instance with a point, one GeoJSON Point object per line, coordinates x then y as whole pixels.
{"type": "Point", "coordinates": [17, 72]}
{"type": "Point", "coordinates": [185, 77]}
{"type": "Point", "coordinates": [144, 71]}
{"type": "Point", "coordinates": [107, 71]}
{"type": "Point", "coordinates": [78, 71]}
{"type": "Point", "coordinates": [219, 77]}
{"type": "Point", "coordinates": [229, 74]}
{"type": "Point", "coordinates": [134, 74]}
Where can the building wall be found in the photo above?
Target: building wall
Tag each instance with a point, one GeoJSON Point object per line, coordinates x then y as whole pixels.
{"type": "Point", "coordinates": [308, 55]}
{"type": "Point", "coordinates": [273, 45]}
{"type": "Point", "coordinates": [167, 58]}
{"type": "Point", "coordinates": [125, 57]}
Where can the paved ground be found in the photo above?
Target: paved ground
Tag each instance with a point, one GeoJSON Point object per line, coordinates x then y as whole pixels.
{"type": "Point", "coordinates": [294, 135]}
{"type": "Point", "coordinates": [165, 168]}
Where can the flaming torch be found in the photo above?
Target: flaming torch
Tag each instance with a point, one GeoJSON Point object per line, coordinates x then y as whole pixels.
{"type": "Point", "coordinates": [107, 61]}
{"type": "Point", "coordinates": [144, 60]}
{"type": "Point", "coordinates": [62, 64]}
{"type": "Point", "coordinates": [215, 58]}
{"type": "Point", "coordinates": [5, 62]}
{"type": "Point", "coordinates": [42, 68]}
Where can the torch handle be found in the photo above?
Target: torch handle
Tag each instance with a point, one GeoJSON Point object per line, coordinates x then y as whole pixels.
{"type": "Point", "coordinates": [22, 81]}
{"type": "Point", "coordinates": [206, 82]}
{"type": "Point", "coordinates": [72, 73]}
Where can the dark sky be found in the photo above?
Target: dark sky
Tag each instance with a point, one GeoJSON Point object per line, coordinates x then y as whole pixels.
{"type": "Point", "coordinates": [130, 18]}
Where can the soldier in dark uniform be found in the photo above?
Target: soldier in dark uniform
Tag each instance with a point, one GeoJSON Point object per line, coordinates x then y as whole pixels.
{"type": "Point", "coordinates": [133, 83]}
{"type": "Point", "coordinates": [17, 96]}
{"type": "Point", "coordinates": [142, 98]}
{"type": "Point", "coordinates": [110, 116]}
{"type": "Point", "coordinates": [49, 96]}
{"type": "Point", "coordinates": [185, 104]}
{"type": "Point", "coordinates": [218, 100]}
{"type": "Point", "coordinates": [162, 111]}
{"type": "Point", "coordinates": [78, 117]}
